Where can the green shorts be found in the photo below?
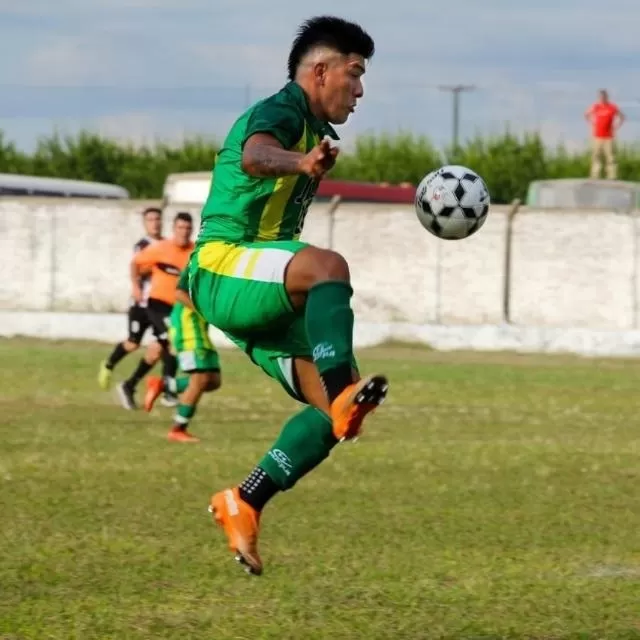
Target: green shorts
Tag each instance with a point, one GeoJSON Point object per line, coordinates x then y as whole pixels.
{"type": "Point", "coordinates": [239, 288]}
{"type": "Point", "coordinates": [190, 341]}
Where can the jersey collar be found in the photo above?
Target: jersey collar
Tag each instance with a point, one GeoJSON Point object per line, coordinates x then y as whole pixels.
{"type": "Point", "coordinates": [319, 127]}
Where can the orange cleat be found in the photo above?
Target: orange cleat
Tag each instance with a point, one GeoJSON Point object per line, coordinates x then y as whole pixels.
{"type": "Point", "coordinates": [178, 434]}
{"type": "Point", "coordinates": [350, 408]}
{"type": "Point", "coordinates": [241, 524]}
{"type": "Point", "coordinates": [155, 386]}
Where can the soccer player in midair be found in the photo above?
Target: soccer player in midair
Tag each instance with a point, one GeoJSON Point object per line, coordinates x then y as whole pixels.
{"type": "Point", "coordinates": [285, 303]}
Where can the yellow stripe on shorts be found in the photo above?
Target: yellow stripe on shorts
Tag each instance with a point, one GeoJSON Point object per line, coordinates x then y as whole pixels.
{"type": "Point", "coordinates": [221, 257]}
{"type": "Point", "coordinates": [188, 333]}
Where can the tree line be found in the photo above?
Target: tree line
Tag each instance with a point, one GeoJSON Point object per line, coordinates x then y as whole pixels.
{"type": "Point", "coordinates": [507, 162]}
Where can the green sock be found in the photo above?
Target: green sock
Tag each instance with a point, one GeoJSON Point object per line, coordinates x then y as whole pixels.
{"type": "Point", "coordinates": [184, 413]}
{"type": "Point", "coordinates": [304, 442]}
{"type": "Point", "coordinates": [329, 324]}
{"type": "Point", "coordinates": [177, 385]}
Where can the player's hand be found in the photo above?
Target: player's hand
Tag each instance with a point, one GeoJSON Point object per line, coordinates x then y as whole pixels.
{"type": "Point", "coordinates": [136, 292]}
{"type": "Point", "coordinates": [319, 160]}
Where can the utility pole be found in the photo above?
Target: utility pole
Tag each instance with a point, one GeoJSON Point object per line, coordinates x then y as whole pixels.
{"type": "Point", "coordinates": [456, 90]}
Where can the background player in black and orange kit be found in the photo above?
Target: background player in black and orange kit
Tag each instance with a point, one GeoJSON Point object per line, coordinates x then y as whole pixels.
{"type": "Point", "coordinates": [163, 261]}
{"type": "Point", "coordinates": [137, 319]}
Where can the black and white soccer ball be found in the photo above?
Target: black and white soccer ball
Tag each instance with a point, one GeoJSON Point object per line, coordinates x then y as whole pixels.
{"type": "Point", "coordinates": [452, 202]}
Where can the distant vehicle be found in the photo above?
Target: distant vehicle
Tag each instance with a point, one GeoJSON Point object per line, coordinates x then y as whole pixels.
{"type": "Point", "coordinates": [578, 193]}
{"type": "Point", "coordinates": [20, 185]}
{"type": "Point", "coordinates": [193, 188]}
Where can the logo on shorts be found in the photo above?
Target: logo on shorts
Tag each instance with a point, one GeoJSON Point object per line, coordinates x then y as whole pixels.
{"type": "Point", "coordinates": [282, 460]}
{"type": "Point", "coordinates": [323, 350]}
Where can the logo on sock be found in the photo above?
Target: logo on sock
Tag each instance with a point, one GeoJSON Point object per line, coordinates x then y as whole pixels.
{"type": "Point", "coordinates": [323, 350]}
{"type": "Point", "coordinates": [282, 460]}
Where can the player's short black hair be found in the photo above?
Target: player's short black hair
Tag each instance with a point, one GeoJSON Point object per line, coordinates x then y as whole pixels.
{"type": "Point", "coordinates": [184, 216]}
{"type": "Point", "coordinates": [335, 33]}
{"type": "Point", "coordinates": [151, 210]}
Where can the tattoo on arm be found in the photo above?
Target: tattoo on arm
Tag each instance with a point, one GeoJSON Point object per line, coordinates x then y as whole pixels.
{"type": "Point", "coordinates": [269, 161]}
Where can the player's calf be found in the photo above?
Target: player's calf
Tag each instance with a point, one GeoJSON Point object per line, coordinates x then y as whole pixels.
{"type": "Point", "coordinates": [320, 279]}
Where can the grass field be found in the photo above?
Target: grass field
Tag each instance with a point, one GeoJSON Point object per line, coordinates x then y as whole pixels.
{"type": "Point", "coordinates": [493, 496]}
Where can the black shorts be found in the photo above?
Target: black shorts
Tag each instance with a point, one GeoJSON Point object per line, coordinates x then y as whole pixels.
{"type": "Point", "coordinates": [159, 314]}
{"type": "Point", "coordinates": [138, 322]}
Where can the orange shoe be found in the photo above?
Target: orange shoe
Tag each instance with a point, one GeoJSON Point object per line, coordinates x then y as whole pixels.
{"type": "Point", "coordinates": [241, 524]}
{"type": "Point", "coordinates": [178, 434]}
{"type": "Point", "coordinates": [349, 409]}
{"type": "Point", "coordinates": [155, 386]}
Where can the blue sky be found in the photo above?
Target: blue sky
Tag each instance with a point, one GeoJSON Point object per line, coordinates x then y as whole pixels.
{"type": "Point", "coordinates": [145, 69]}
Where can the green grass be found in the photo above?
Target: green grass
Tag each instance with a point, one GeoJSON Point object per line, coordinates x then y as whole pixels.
{"type": "Point", "coordinates": [494, 496]}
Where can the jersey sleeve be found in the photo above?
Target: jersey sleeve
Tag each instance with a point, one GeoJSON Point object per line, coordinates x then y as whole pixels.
{"type": "Point", "coordinates": [284, 122]}
{"type": "Point", "coordinates": [183, 281]}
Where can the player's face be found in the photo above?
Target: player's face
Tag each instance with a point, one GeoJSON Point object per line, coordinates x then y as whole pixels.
{"type": "Point", "coordinates": [341, 87]}
{"type": "Point", "coordinates": [182, 232]}
{"type": "Point", "coordinates": [153, 224]}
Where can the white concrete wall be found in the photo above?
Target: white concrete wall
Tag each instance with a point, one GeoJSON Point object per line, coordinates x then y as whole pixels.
{"type": "Point", "coordinates": [568, 269]}
{"type": "Point", "coordinates": [574, 270]}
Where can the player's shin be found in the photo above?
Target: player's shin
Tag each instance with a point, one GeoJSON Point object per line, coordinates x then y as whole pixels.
{"type": "Point", "coordinates": [169, 363]}
{"type": "Point", "coordinates": [329, 324]}
{"type": "Point", "coordinates": [184, 414]}
{"type": "Point", "coordinates": [116, 355]}
{"type": "Point", "coordinates": [140, 372]}
{"type": "Point", "coordinates": [304, 442]}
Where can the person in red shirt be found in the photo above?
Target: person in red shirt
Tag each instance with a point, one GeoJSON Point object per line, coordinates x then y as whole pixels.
{"type": "Point", "coordinates": [605, 119]}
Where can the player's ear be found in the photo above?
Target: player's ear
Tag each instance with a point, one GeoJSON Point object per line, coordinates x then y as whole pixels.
{"type": "Point", "coordinates": [320, 73]}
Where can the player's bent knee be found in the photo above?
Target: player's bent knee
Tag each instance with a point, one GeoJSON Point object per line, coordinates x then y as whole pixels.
{"type": "Point", "coordinates": [204, 381]}
{"type": "Point", "coordinates": [153, 353]}
{"type": "Point", "coordinates": [213, 381]}
{"type": "Point", "coordinates": [329, 265]}
{"type": "Point", "coordinates": [312, 266]}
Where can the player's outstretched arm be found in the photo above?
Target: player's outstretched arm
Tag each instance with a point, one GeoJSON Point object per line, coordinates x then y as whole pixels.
{"type": "Point", "coordinates": [264, 157]}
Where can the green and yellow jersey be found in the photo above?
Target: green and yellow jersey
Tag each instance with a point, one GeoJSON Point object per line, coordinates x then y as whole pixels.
{"type": "Point", "coordinates": [242, 208]}
{"type": "Point", "coordinates": [189, 331]}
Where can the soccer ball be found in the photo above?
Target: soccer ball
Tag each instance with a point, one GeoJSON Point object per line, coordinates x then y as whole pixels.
{"type": "Point", "coordinates": [452, 202]}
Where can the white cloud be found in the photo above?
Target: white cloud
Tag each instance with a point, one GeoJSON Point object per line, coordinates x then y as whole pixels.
{"type": "Point", "coordinates": [263, 66]}
{"type": "Point", "coordinates": [535, 65]}
{"type": "Point", "coordinates": [73, 60]}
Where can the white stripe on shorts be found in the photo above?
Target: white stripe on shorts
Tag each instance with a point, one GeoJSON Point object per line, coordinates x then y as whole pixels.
{"type": "Point", "coordinates": [269, 267]}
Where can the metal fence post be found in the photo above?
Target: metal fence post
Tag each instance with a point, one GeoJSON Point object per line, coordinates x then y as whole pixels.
{"type": "Point", "coordinates": [333, 207]}
{"type": "Point", "coordinates": [506, 288]}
